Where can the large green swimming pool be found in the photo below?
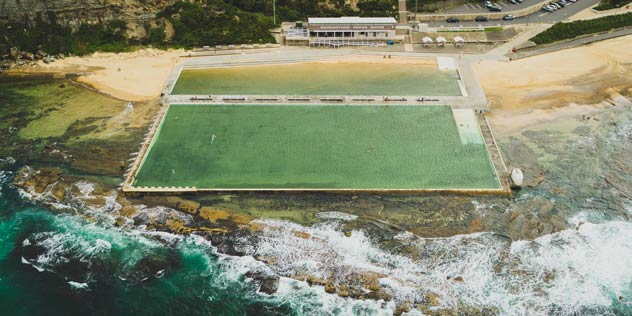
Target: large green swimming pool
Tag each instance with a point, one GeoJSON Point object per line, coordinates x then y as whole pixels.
{"type": "Point", "coordinates": [344, 78]}
{"type": "Point", "coordinates": [316, 147]}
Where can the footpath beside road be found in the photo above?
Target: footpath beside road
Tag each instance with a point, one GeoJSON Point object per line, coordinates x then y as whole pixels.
{"type": "Point", "coordinates": [584, 40]}
{"type": "Point", "coordinates": [521, 38]}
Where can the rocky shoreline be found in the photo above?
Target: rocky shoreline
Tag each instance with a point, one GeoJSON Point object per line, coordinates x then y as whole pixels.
{"type": "Point", "coordinates": [69, 174]}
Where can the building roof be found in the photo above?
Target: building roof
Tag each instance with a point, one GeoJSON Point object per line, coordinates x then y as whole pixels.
{"type": "Point", "coordinates": [351, 20]}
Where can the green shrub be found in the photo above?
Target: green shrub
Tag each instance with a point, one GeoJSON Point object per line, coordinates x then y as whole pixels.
{"type": "Point", "coordinates": [561, 31]}
{"type": "Point", "coordinates": [156, 35]}
{"type": "Point", "coordinates": [610, 4]}
{"type": "Point", "coordinates": [207, 22]}
{"type": "Point", "coordinates": [215, 24]}
{"type": "Point", "coordinates": [493, 29]}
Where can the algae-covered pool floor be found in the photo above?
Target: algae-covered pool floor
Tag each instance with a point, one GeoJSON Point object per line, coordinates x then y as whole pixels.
{"type": "Point", "coordinates": [344, 78]}
{"type": "Point", "coordinates": [314, 147]}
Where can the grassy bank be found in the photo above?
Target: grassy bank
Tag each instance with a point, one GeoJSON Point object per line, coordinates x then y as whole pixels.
{"type": "Point", "coordinates": [611, 4]}
{"type": "Point", "coordinates": [561, 31]}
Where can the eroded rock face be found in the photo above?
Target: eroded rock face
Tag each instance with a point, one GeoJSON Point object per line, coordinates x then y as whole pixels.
{"type": "Point", "coordinates": [75, 12]}
{"type": "Point", "coordinates": [266, 281]}
{"type": "Point", "coordinates": [41, 180]}
{"type": "Point", "coordinates": [530, 219]}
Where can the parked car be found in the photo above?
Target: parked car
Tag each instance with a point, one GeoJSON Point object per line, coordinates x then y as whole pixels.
{"type": "Point", "coordinates": [452, 20]}
{"type": "Point", "coordinates": [481, 19]}
{"type": "Point", "coordinates": [557, 6]}
{"type": "Point", "coordinates": [572, 1]}
{"type": "Point", "coordinates": [488, 4]}
{"type": "Point", "coordinates": [512, 1]}
{"type": "Point", "coordinates": [495, 9]}
{"type": "Point", "coordinates": [519, 1]}
{"type": "Point", "coordinates": [509, 17]}
{"type": "Point", "coordinates": [547, 8]}
{"type": "Point", "coordinates": [561, 4]}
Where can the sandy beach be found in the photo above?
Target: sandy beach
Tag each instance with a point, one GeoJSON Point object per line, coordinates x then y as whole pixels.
{"type": "Point", "coordinates": [538, 88]}
{"type": "Point", "coordinates": [520, 91]}
{"type": "Point", "coordinates": [135, 76]}
{"type": "Point", "coordinates": [141, 75]}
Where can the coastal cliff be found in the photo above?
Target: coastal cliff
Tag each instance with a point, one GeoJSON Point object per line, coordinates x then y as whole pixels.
{"type": "Point", "coordinates": [74, 12]}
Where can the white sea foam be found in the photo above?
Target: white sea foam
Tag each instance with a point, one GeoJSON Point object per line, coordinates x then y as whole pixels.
{"type": "Point", "coordinates": [594, 262]}
{"type": "Point", "coordinates": [336, 215]}
{"type": "Point", "coordinates": [86, 188]}
{"type": "Point", "coordinates": [623, 132]}
{"type": "Point", "coordinates": [78, 286]}
{"type": "Point", "coordinates": [160, 274]}
{"type": "Point", "coordinates": [4, 176]}
{"type": "Point", "coordinates": [313, 300]}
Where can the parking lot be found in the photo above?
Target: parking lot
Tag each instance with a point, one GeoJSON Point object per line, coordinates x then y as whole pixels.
{"type": "Point", "coordinates": [537, 17]}
{"type": "Point", "coordinates": [477, 7]}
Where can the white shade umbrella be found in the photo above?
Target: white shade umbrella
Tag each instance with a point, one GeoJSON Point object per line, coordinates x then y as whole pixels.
{"type": "Point", "coordinates": [458, 39]}
{"type": "Point", "coordinates": [427, 39]}
{"type": "Point", "coordinates": [441, 39]}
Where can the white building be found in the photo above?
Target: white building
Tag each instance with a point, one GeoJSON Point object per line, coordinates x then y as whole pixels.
{"type": "Point", "coordinates": [345, 31]}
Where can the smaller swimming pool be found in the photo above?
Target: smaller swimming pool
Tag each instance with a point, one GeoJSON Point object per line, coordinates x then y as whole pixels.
{"type": "Point", "coordinates": [386, 78]}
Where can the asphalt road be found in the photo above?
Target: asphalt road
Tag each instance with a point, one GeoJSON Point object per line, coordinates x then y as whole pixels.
{"type": "Point", "coordinates": [537, 17]}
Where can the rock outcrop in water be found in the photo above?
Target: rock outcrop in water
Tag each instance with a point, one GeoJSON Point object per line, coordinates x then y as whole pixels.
{"type": "Point", "coordinates": [356, 247]}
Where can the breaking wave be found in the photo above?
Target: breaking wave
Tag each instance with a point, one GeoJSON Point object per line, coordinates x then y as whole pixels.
{"type": "Point", "coordinates": [582, 271]}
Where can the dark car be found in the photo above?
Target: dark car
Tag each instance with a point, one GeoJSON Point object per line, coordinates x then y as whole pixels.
{"type": "Point", "coordinates": [495, 9]}
{"type": "Point", "coordinates": [452, 20]}
{"type": "Point", "coordinates": [481, 19]}
{"type": "Point", "coordinates": [512, 1]}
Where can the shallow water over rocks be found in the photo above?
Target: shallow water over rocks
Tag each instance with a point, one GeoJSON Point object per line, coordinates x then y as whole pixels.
{"type": "Point", "coordinates": [567, 231]}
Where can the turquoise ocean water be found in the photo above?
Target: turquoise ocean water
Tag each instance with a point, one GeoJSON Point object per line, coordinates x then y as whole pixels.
{"type": "Point", "coordinates": [59, 264]}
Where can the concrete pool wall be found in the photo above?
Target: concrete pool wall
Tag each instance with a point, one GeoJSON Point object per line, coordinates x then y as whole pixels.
{"type": "Point", "coordinates": [164, 185]}
{"type": "Point", "coordinates": [466, 83]}
{"type": "Point", "coordinates": [467, 91]}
